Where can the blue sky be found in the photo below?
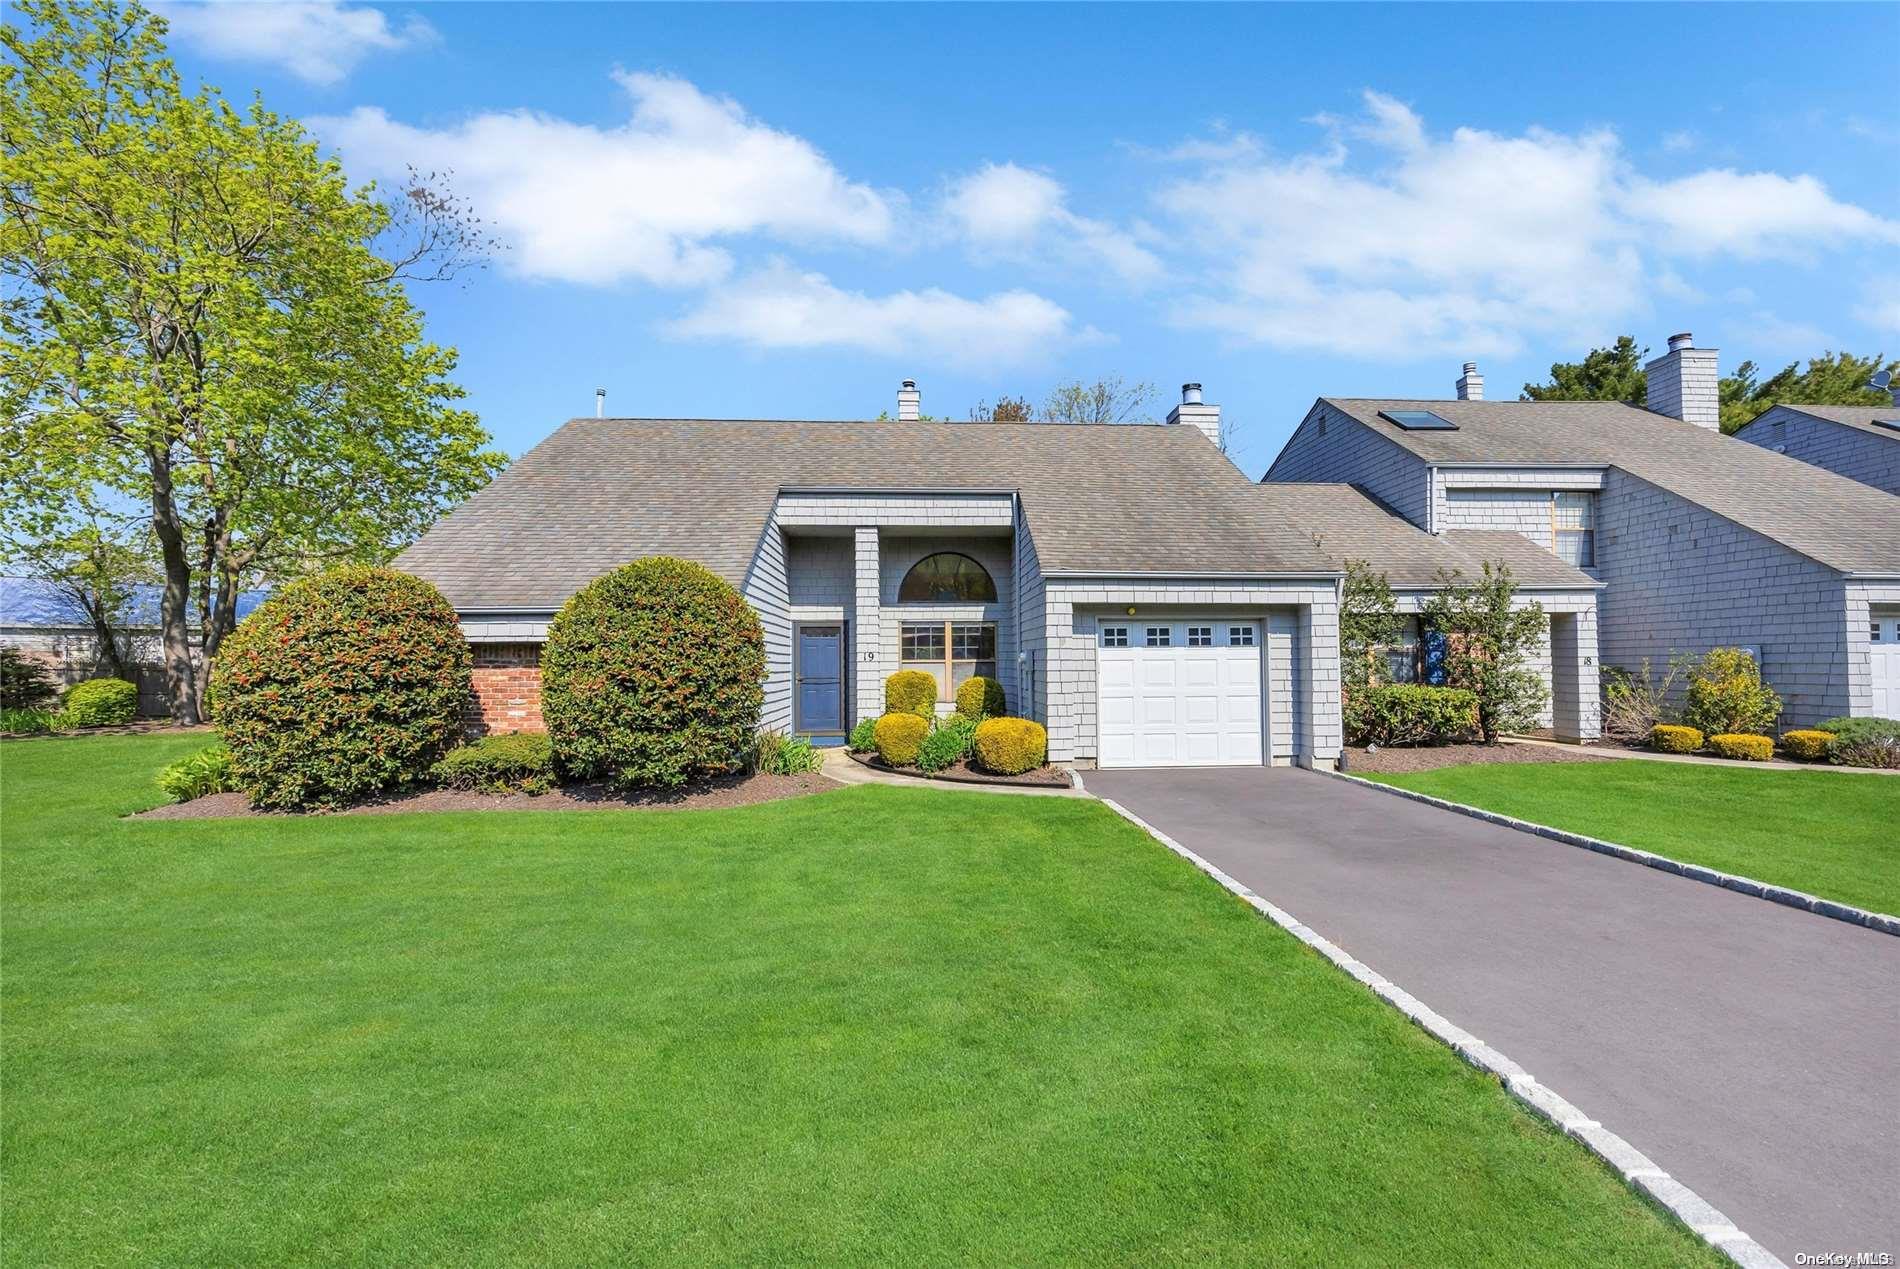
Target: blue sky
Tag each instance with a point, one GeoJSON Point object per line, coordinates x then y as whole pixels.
{"type": "Point", "coordinates": [781, 211]}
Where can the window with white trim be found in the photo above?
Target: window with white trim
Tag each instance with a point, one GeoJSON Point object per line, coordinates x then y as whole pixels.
{"type": "Point", "coordinates": [1160, 637]}
{"type": "Point", "coordinates": [1240, 636]}
{"type": "Point", "coordinates": [1200, 636]}
{"type": "Point", "coordinates": [952, 652]}
{"type": "Point", "coordinates": [1573, 526]}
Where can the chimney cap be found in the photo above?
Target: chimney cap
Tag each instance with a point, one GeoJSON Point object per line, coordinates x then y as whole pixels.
{"type": "Point", "coordinates": [910, 383]}
{"type": "Point", "coordinates": [1681, 341]}
{"type": "Point", "coordinates": [1471, 367]}
{"type": "Point", "coordinates": [1190, 394]}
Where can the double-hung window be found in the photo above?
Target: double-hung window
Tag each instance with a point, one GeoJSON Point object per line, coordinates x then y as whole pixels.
{"type": "Point", "coordinates": [949, 651]}
{"type": "Point", "coordinates": [1573, 527]}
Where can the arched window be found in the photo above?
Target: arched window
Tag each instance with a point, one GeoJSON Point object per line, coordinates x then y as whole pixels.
{"type": "Point", "coordinates": [946, 578]}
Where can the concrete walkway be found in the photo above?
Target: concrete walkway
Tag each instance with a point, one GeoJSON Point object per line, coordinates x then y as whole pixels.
{"type": "Point", "coordinates": [1696, 759]}
{"type": "Point", "coordinates": [1751, 1050]}
{"type": "Point", "coordinates": [838, 766]}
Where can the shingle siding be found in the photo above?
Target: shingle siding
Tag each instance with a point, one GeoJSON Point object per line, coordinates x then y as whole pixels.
{"type": "Point", "coordinates": [767, 591]}
{"type": "Point", "coordinates": [1031, 674]}
{"type": "Point", "coordinates": [1331, 446]}
{"type": "Point", "coordinates": [1863, 456]}
{"type": "Point", "coordinates": [1683, 579]}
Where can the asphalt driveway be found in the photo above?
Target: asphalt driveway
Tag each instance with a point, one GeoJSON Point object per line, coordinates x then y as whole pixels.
{"type": "Point", "coordinates": [1751, 1050]}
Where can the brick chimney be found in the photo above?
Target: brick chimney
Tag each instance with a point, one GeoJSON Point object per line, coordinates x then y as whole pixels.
{"type": "Point", "coordinates": [1192, 410]}
{"type": "Point", "coordinates": [1685, 384]}
{"type": "Point", "coordinates": [909, 402]}
{"type": "Point", "coordinates": [1471, 383]}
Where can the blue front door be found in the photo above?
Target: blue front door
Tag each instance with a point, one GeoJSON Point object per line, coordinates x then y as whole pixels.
{"type": "Point", "coordinates": [819, 671]}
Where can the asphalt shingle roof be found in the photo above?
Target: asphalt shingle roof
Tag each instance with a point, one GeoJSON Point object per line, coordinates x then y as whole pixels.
{"type": "Point", "coordinates": [1350, 524]}
{"type": "Point", "coordinates": [1126, 498]}
{"type": "Point", "coordinates": [1842, 523]}
{"type": "Point", "coordinates": [1859, 417]}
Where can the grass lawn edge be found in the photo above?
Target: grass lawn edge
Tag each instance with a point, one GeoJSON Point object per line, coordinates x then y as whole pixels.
{"type": "Point", "coordinates": [1645, 1179]}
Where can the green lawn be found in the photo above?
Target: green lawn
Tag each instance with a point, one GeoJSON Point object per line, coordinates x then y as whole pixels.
{"type": "Point", "coordinates": [1829, 833]}
{"type": "Point", "coordinates": [876, 1025]}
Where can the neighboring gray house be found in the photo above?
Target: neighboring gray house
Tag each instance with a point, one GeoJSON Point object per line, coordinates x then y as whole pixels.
{"type": "Point", "coordinates": [1700, 540]}
{"type": "Point", "coordinates": [1861, 442]}
{"type": "Point", "coordinates": [1127, 584]}
{"type": "Point", "coordinates": [1349, 524]}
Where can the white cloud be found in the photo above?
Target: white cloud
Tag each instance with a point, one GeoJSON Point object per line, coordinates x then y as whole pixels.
{"type": "Point", "coordinates": [1002, 211]}
{"type": "Point", "coordinates": [316, 40]}
{"type": "Point", "coordinates": [1751, 214]}
{"type": "Point", "coordinates": [646, 201]}
{"type": "Point", "coordinates": [1470, 243]}
{"type": "Point", "coordinates": [1680, 141]}
{"type": "Point", "coordinates": [780, 307]}
{"type": "Point", "coordinates": [1881, 312]}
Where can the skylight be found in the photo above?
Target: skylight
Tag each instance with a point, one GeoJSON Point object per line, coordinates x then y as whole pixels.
{"type": "Point", "coordinates": [1419, 420]}
{"type": "Point", "coordinates": [1892, 423]}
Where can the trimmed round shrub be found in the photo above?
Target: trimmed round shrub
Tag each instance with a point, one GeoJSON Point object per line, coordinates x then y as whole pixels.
{"type": "Point", "coordinates": [1806, 745]}
{"type": "Point", "coordinates": [518, 762]}
{"type": "Point", "coordinates": [100, 703]}
{"type": "Point", "coordinates": [653, 676]}
{"type": "Point", "coordinates": [1863, 742]}
{"type": "Point", "coordinates": [981, 698]}
{"type": "Point", "coordinates": [1670, 738]}
{"type": "Point", "coordinates": [911, 692]}
{"type": "Point", "coordinates": [1409, 714]}
{"type": "Point", "coordinates": [863, 738]}
{"type": "Point", "coordinates": [1726, 695]}
{"type": "Point", "coordinates": [1011, 746]}
{"type": "Point", "coordinates": [899, 737]}
{"type": "Point", "coordinates": [1743, 745]}
{"type": "Point", "coordinates": [339, 687]}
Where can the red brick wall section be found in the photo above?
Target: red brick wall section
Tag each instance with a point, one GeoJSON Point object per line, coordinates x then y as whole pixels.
{"type": "Point", "coordinates": [507, 682]}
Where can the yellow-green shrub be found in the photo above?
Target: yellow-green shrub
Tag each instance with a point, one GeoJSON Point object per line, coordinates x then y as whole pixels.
{"type": "Point", "coordinates": [1011, 746]}
{"type": "Point", "coordinates": [1806, 745]}
{"type": "Point", "coordinates": [900, 736]}
{"type": "Point", "coordinates": [979, 697]}
{"type": "Point", "coordinates": [1673, 739]}
{"type": "Point", "coordinates": [911, 692]}
{"type": "Point", "coordinates": [1743, 745]}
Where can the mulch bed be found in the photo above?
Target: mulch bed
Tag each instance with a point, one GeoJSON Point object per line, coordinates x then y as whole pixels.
{"type": "Point", "coordinates": [964, 773]}
{"type": "Point", "coordinates": [137, 727]}
{"type": "Point", "coordinates": [726, 791]}
{"type": "Point", "coordinates": [1394, 761]}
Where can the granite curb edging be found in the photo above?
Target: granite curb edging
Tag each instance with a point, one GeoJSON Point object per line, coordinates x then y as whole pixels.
{"type": "Point", "coordinates": [1638, 1171]}
{"type": "Point", "coordinates": [1882, 922]}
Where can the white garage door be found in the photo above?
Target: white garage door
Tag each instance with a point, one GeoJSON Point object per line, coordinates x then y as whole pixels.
{"type": "Point", "coordinates": [1179, 693]}
{"type": "Point", "coordinates": [1883, 655]}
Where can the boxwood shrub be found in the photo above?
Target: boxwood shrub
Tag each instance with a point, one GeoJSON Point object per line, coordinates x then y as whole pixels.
{"type": "Point", "coordinates": [100, 703]}
{"type": "Point", "coordinates": [653, 676]}
{"type": "Point", "coordinates": [1806, 744]}
{"type": "Point", "coordinates": [1726, 695]}
{"type": "Point", "coordinates": [1011, 746]}
{"type": "Point", "coordinates": [341, 686]}
{"type": "Point", "coordinates": [899, 737]}
{"type": "Point", "coordinates": [520, 762]}
{"type": "Point", "coordinates": [1409, 714]}
{"type": "Point", "coordinates": [981, 698]}
{"type": "Point", "coordinates": [1746, 746]}
{"type": "Point", "coordinates": [1669, 738]}
{"type": "Point", "coordinates": [911, 692]}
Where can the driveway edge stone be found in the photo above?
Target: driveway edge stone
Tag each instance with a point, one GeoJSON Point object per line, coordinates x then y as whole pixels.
{"type": "Point", "coordinates": [1881, 921]}
{"type": "Point", "coordinates": [1638, 1171]}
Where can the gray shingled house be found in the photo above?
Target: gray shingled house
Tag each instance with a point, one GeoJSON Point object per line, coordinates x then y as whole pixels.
{"type": "Point", "coordinates": [1129, 587]}
{"type": "Point", "coordinates": [1861, 442]}
{"type": "Point", "coordinates": [1700, 540]}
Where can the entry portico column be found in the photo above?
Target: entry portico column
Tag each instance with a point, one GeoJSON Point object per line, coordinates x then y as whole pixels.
{"type": "Point", "coordinates": [867, 629]}
{"type": "Point", "coordinates": [1575, 711]}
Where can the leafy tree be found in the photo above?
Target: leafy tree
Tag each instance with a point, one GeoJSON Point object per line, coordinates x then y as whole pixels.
{"type": "Point", "coordinates": [1368, 621]}
{"type": "Point", "coordinates": [204, 321]}
{"type": "Point", "coordinates": [1006, 410]}
{"type": "Point", "coordinates": [100, 571]}
{"type": "Point", "coordinates": [1616, 374]}
{"type": "Point", "coordinates": [1488, 645]}
{"type": "Point", "coordinates": [1107, 400]}
{"type": "Point", "coordinates": [1830, 379]}
{"type": "Point", "coordinates": [1605, 374]}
